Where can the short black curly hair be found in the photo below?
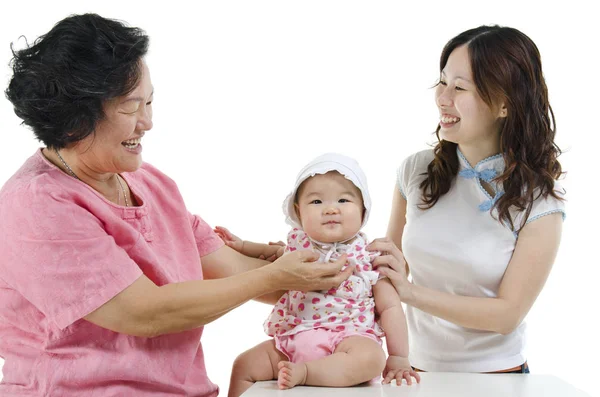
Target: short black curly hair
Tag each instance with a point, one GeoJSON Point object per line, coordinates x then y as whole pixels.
{"type": "Point", "coordinates": [60, 83]}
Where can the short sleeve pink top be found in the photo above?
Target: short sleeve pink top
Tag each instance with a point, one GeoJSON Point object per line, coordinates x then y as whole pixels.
{"type": "Point", "coordinates": [65, 251]}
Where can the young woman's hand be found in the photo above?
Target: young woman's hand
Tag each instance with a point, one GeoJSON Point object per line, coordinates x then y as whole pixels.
{"type": "Point", "coordinates": [298, 271]}
{"type": "Point", "coordinates": [391, 264]}
{"type": "Point", "coordinates": [399, 368]}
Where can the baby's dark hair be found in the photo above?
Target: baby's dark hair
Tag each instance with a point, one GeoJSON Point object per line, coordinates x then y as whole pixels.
{"type": "Point", "coordinates": [61, 82]}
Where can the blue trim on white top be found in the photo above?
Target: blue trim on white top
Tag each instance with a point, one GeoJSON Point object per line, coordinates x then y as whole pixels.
{"type": "Point", "coordinates": [487, 174]}
{"type": "Point", "coordinates": [494, 157]}
{"type": "Point", "coordinates": [400, 183]}
{"type": "Point", "coordinates": [485, 191]}
{"type": "Point", "coordinates": [490, 158]}
{"type": "Point", "coordinates": [402, 193]}
{"type": "Point", "coordinates": [538, 216]}
{"type": "Point", "coordinates": [462, 156]}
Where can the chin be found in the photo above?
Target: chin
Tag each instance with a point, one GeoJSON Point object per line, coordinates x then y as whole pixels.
{"type": "Point", "coordinates": [132, 167]}
{"type": "Point", "coordinates": [333, 238]}
{"type": "Point", "coordinates": [327, 239]}
{"type": "Point", "coordinates": [445, 136]}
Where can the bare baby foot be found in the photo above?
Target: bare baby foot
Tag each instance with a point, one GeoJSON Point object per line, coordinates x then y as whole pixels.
{"type": "Point", "coordinates": [291, 374]}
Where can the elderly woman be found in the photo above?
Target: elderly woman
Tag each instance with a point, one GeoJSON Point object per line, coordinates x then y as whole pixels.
{"type": "Point", "coordinates": [106, 280]}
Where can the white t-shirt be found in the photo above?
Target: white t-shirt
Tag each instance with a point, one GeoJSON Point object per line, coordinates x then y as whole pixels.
{"type": "Point", "coordinates": [457, 247]}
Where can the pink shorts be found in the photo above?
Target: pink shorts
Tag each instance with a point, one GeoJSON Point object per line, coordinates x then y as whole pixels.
{"type": "Point", "coordinates": [314, 344]}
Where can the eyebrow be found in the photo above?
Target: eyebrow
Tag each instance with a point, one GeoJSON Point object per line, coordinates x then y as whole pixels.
{"type": "Point", "coordinates": [459, 77]}
{"type": "Point", "coordinates": [311, 194]}
{"type": "Point", "coordinates": [137, 98]}
{"type": "Point", "coordinates": [348, 192]}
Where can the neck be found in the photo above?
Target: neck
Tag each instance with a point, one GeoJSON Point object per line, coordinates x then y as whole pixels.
{"type": "Point", "coordinates": [106, 184]}
{"type": "Point", "coordinates": [474, 154]}
{"type": "Point", "coordinates": [320, 243]}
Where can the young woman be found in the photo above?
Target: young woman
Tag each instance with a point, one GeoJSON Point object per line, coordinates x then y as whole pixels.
{"type": "Point", "coordinates": [478, 218]}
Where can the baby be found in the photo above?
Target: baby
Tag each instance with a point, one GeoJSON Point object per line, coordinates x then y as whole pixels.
{"type": "Point", "coordinates": [327, 338]}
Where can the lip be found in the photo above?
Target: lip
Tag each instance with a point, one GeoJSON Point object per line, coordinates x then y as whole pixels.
{"type": "Point", "coordinates": [137, 150]}
{"type": "Point", "coordinates": [448, 125]}
{"type": "Point", "coordinates": [331, 223]}
{"type": "Point", "coordinates": [448, 115]}
{"type": "Point", "coordinates": [133, 137]}
{"type": "Point", "coordinates": [140, 136]}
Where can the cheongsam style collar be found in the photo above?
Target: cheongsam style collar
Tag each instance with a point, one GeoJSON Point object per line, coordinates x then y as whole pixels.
{"type": "Point", "coordinates": [485, 170]}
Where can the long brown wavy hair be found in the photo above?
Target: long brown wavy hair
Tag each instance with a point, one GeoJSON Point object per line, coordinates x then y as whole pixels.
{"type": "Point", "coordinates": [506, 66]}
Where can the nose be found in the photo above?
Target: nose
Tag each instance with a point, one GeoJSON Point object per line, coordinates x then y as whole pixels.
{"type": "Point", "coordinates": [444, 96]}
{"type": "Point", "coordinates": [332, 210]}
{"type": "Point", "coordinates": [145, 121]}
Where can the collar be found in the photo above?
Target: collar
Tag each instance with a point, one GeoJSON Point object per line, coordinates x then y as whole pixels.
{"type": "Point", "coordinates": [486, 170]}
{"type": "Point", "coordinates": [495, 163]}
{"type": "Point", "coordinates": [298, 238]}
{"type": "Point", "coordinates": [328, 249]}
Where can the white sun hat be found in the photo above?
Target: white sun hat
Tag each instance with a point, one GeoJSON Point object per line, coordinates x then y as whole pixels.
{"type": "Point", "coordinates": [345, 165]}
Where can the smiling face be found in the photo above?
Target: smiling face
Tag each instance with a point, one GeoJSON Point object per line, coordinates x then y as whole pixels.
{"type": "Point", "coordinates": [115, 144]}
{"type": "Point", "coordinates": [465, 118]}
{"type": "Point", "coordinates": [330, 207]}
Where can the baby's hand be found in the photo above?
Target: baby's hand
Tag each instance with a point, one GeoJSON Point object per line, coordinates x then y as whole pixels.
{"type": "Point", "coordinates": [274, 256]}
{"type": "Point", "coordinates": [399, 368]}
{"type": "Point", "coordinates": [230, 239]}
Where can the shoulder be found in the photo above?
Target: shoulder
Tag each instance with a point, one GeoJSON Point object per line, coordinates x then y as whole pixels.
{"type": "Point", "coordinates": [34, 182]}
{"type": "Point", "coordinates": [48, 206]}
{"type": "Point", "coordinates": [543, 206]}
{"type": "Point", "coordinates": [361, 239]}
{"type": "Point", "coordinates": [425, 156]}
{"type": "Point", "coordinates": [156, 188]}
{"type": "Point", "coordinates": [297, 239]}
{"type": "Point", "coordinates": [152, 182]}
{"type": "Point", "coordinates": [150, 174]}
{"type": "Point", "coordinates": [412, 168]}
{"type": "Point", "coordinates": [416, 162]}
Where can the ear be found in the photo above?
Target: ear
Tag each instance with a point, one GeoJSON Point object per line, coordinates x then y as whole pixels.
{"type": "Point", "coordinates": [502, 110]}
{"type": "Point", "coordinates": [297, 209]}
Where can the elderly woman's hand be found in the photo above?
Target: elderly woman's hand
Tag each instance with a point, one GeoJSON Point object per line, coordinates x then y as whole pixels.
{"type": "Point", "coordinates": [298, 271]}
{"type": "Point", "coordinates": [391, 264]}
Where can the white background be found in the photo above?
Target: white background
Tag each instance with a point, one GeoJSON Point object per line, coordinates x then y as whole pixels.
{"type": "Point", "coordinates": [246, 92]}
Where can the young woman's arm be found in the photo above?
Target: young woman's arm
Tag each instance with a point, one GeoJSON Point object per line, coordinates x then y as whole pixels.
{"type": "Point", "coordinates": [397, 220]}
{"type": "Point", "coordinates": [523, 280]}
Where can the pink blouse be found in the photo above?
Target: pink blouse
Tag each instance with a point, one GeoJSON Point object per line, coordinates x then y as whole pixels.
{"type": "Point", "coordinates": [65, 251]}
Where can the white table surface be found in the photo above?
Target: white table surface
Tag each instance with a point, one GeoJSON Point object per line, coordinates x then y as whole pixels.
{"type": "Point", "coordinates": [438, 384]}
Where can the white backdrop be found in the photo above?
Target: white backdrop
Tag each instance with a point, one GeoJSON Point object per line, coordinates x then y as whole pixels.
{"type": "Point", "coordinates": [246, 92]}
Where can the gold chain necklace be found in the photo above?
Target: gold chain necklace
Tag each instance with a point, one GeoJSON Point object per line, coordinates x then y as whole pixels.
{"type": "Point", "coordinates": [76, 177]}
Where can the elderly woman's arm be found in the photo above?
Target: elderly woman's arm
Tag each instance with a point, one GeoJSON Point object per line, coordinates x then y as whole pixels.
{"type": "Point", "coordinates": [522, 282]}
{"type": "Point", "coordinates": [144, 309]}
{"type": "Point", "coordinates": [227, 262]}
